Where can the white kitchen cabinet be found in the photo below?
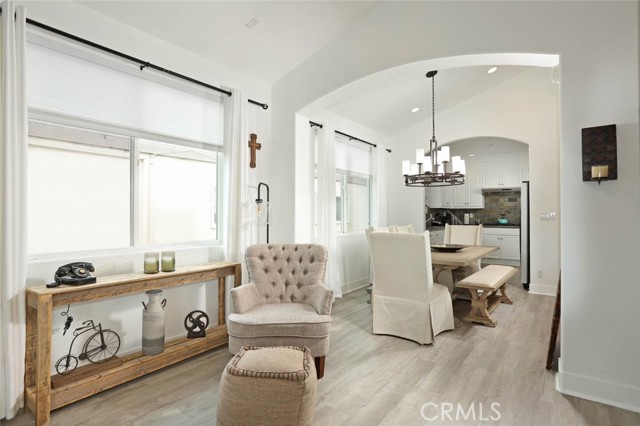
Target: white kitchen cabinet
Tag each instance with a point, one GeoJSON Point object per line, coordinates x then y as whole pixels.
{"type": "Point", "coordinates": [507, 239]}
{"type": "Point", "coordinates": [510, 247]}
{"type": "Point", "coordinates": [440, 197]}
{"type": "Point", "coordinates": [503, 178]}
{"type": "Point", "coordinates": [469, 195]}
{"type": "Point", "coordinates": [491, 240]}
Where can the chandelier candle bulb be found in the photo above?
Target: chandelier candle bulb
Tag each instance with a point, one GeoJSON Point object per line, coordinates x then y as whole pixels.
{"type": "Point", "coordinates": [455, 163]}
{"type": "Point", "coordinates": [428, 165]}
{"type": "Point", "coordinates": [420, 155]}
{"type": "Point", "coordinates": [414, 169]}
{"type": "Point", "coordinates": [444, 154]}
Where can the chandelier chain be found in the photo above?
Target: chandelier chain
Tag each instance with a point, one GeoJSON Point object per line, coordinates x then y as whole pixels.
{"type": "Point", "coordinates": [433, 105]}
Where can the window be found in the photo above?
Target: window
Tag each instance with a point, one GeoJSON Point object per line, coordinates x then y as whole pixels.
{"type": "Point", "coordinates": [178, 193]}
{"type": "Point", "coordinates": [353, 185]}
{"type": "Point", "coordinates": [86, 192]}
{"type": "Point", "coordinates": [78, 190]}
{"type": "Point", "coordinates": [118, 158]}
{"type": "Point", "coordinates": [352, 202]}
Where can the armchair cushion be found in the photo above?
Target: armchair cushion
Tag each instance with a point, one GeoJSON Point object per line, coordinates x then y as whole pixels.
{"type": "Point", "coordinates": [280, 319]}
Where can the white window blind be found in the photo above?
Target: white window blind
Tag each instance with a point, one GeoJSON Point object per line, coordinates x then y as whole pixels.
{"type": "Point", "coordinates": [352, 156]}
{"type": "Point", "coordinates": [64, 84]}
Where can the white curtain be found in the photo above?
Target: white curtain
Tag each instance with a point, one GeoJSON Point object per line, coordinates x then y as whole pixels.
{"type": "Point", "coordinates": [13, 208]}
{"type": "Point", "coordinates": [237, 223]}
{"type": "Point", "coordinates": [379, 177]}
{"type": "Point", "coordinates": [326, 205]}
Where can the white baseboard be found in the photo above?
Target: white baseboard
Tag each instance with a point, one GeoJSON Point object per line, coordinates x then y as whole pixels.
{"type": "Point", "coordinates": [355, 285]}
{"type": "Point", "coordinates": [543, 289]}
{"type": "Point", "coordinates": [614, 394]}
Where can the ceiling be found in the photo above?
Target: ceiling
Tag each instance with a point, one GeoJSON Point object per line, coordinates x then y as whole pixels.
{"type": "Point", "coordinates": [387, 108]}
{"type": "Point", "coordinates": [285, 34]}
{"type": "Point", "coordinates": [487, 147]}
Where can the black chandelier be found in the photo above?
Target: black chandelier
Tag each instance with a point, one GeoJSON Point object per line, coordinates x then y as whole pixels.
{"type": "Point", "coordinates": [434, 169]}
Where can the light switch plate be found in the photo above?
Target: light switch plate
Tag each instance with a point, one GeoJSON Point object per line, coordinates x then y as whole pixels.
{"type": "Point", "coordinates": [548, 216]}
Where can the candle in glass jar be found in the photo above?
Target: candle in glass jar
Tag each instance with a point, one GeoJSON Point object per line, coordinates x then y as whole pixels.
{"type": "Point", "coordinates": [150, 263]}
{"type": "Point", "coordinates": [168, 262]}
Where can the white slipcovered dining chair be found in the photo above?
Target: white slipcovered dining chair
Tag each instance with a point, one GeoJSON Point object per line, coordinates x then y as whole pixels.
{"type": "Point", "coordinates": [368, 232]}
{"type": "Point", "coordinates": [406, 302]}
{"type": "Point", "coordinates": [403, 229]}
{"type": "Point", "coordinates": [469, 235]}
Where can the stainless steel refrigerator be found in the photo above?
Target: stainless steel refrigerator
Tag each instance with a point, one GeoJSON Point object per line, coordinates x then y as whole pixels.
{"type": "Point", "coordinates": [525, 227]}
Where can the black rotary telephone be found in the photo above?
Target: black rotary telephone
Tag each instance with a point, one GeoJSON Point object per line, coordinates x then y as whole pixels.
{"type": "Point", "coordinates": [76, 273]}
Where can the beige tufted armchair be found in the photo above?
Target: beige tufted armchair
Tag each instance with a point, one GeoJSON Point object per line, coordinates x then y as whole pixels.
{"type": "Point", "coordinates": [286, 302]}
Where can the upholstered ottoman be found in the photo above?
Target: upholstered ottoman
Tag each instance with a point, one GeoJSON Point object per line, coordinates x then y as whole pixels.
{"type": "Point", "coordinates": [268, 386]}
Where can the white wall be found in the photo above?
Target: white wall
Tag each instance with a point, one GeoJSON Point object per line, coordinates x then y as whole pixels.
{"type": "Point", "coordinates": [353, 261]}
{"type": "Point", "coordinates": [598, 46]}
{"type": "Point", "coordinates": [124, 314]}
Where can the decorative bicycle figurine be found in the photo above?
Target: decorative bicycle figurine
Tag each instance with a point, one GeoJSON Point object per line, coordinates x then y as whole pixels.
{"type": "Point", "coordinates": [100, 347]}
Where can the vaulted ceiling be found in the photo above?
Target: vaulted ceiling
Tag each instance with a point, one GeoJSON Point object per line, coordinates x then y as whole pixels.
{"type": "Point", "coordinates": [264, 39]}
{"type": "Point", "coordinates": [268, 39]}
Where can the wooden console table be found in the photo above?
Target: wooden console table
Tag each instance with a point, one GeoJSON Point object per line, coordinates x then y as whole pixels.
{"type": "Point", "coordinates": [41, 398]}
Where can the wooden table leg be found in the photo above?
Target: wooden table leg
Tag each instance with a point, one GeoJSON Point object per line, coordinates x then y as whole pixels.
{"type": "Point", "coordinates": [43, 360]}
{"type": "Point", "coordinates": [446, 279]}
{"type": "Point", "coordinates": [237, 275]}
{"type": "Point", "coordinates": [222, 291]}
{"type": "Point", "coordinates": [30, 355]}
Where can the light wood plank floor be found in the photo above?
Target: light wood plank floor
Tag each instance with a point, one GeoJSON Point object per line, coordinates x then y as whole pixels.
{"type": "Point", "coordinates": [381, 380]}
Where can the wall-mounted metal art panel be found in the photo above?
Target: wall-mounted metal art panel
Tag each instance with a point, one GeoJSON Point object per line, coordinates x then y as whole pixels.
{"type": "Point", "coordinates": [599, 149]}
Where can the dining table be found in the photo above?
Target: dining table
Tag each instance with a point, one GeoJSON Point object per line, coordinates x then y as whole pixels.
{"type": "Point", "coordinates": [444, 262]}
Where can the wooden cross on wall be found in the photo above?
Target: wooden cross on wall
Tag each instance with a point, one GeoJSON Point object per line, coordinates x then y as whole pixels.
{"type": "Point", "coordinates": [253, 145]}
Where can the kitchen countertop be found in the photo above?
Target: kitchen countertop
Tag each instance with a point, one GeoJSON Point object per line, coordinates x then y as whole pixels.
{"type": "Point", "coordinates": [485, 225]}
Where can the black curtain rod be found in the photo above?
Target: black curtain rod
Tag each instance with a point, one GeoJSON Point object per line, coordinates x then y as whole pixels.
{"type": "Point", "coordinates": [353, 138]}
{"type": "Point", "coordinates": [143, 64]}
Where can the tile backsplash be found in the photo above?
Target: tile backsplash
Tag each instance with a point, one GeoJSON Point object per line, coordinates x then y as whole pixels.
{"type": "Point", "coordinates": [507, 203]}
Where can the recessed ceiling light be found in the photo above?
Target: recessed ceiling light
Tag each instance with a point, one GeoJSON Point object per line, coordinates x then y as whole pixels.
{"type": "Point", "coordinates": [416, 109]}
{"type": "Point", "coordinates": [472, 155]}
{"type": "Point", "coordinates": [492, 70]}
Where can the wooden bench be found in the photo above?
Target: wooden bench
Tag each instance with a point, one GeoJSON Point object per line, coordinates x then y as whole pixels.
{"type": "Point", "coordinates": [483, 287]}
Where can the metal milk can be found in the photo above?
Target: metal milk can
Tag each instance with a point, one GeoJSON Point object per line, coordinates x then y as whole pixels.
{"type": "Point", "coordinates": [153, 323]}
